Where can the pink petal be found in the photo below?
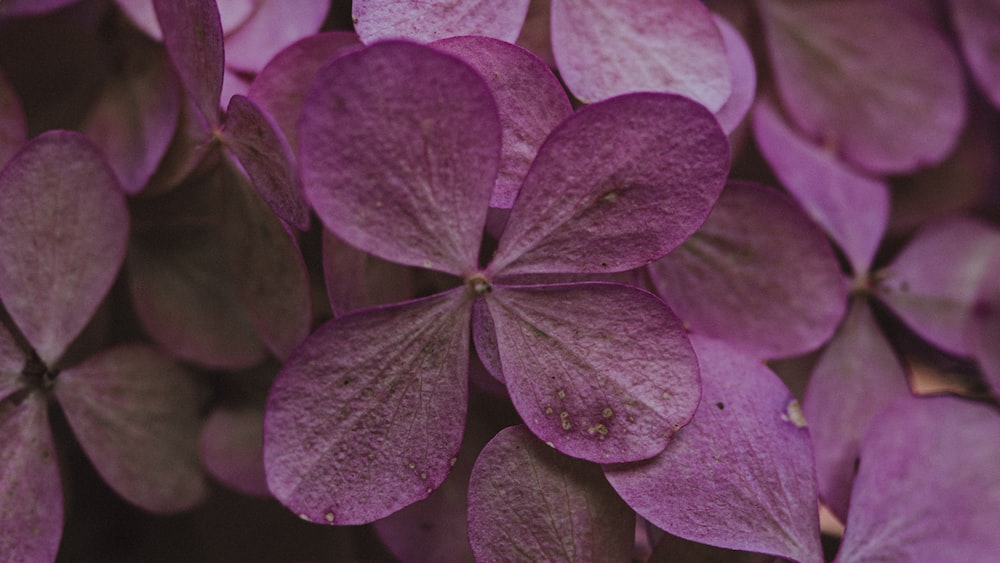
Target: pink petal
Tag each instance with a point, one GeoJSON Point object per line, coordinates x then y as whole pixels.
{"type": "Point", "coordinates": [530, 99]}
{"type": "Point", "coordinates": [928, 487]}
{"type": "Point", "coordinates": [136, 414]}
{"type": "Point", "coordinates": [613, 47]}
{"type": "Point", "coordinates": [932, 283]}
{"type": "Point", "coordinates": [744, 77]}
{"type": "Point", "coordinates": [400, 153]}
{"type": "Point", "coordinates": [528, 502]}
{"type": "Point", "coordinates": [617, 185]}
{"type": "Point", "coordinates": [851, 207]}
{"type": "Point", "coordinates": [978, 26]}
{"type": "Point", "coordinates": [192, 33]}
{"type": "Point", "coordinates": [365, 416]}
{"type": "Point", "coordinates": [855, 377]}
{"type": "Point", "coordinates": [740, 475]}
{"type": "Point", "coordinates": [758, 274]}
{"type": "Point", "coordinates": [31, 521]}
{"type": "Point", "coordinates": [13, 126]}
{"type": "Point", "coordinates": [436, 19]}
{"type": "Point", "coordinates": [232, 449]}
{"type": "Point", "coordinates": [271, 28]}
{"type": "Point", "coordinates": [887, 106]}
{"type": "Point", "coordinates": [63, 230]}
{"type": "Point", "coordinates": [604, 372]}
{"type": "Point", "coordinates": [356, 279]}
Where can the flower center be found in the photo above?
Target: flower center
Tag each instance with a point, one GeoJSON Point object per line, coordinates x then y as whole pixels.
{"type": "Point", "coordinates": [479, 284]}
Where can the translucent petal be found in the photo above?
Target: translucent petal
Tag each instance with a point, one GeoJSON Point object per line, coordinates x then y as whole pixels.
{"type": "Point", "coordinates": [617, 185]}
{"type": "Point", "coordinates": [400, 152]}
{"type": "Point", "coordinates": [192, 33]}
{"type": "Point", "coordinates": [741, 474]}
{"type": "Point", "coordinates": [63, 230]}
{"type": "Point", "coordinates": [436, 19]}
{"type": "Point", "coordinates": [271, 28]}
{"type": "Point", "coordinates": [356, 279]}
{"type": "Point", "coordinates": [365, 416]}
{"type": "Point", "coordinates": [231, 448]}
{"type": "Point", "coordinates": [13, 126]}
{"type": "Point", "coordinates": [978, 26]}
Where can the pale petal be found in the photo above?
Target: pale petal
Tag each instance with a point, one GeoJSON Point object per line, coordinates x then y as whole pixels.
{"type": "Point", "coordinates": [231, 448]}
{"type": "Point", "coordinates": [430, 20]}
{"type": "Point", "coordinates": [273, 26]}
{"type": "Point", "coordinates": [744, 77]}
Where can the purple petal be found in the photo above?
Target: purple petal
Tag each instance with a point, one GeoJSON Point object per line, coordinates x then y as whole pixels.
{"type": "Point", "coordinates": [617, 185]}
{"type": "Point", "coordinates": [528, 502]}
{"type": "Point", "coordinates": [356, 279]}
{"type": "Point", "coordinates": [12, 359]}
{"type": "Point", "coordinates": [265, 155]}
{"type": "Point", "coordinates": [31, 521]}
{"type": "Point", "coordinates": [983, 331]}
{"type": "Point", "coordinates": [740, 475]}
{"type": "Point", "coordinates": [978, 26]}
{"type": "Point", "coordinates": [758, 274]}
{"type": "Point", "coordinates": [928, 487]}
{"type": "Point", "coordinates": [530, 99]}
{"type": "Point", "coordinates": [436, 19]}
{"type": "Point", "coordinates": [855, 377]}
{"type": "Point", "coordinates": [278, 88]}
{"type": "Point", "coordinates": [932, 283]}
{"type": "Point", "coordinates": [233, 14]}
{"type": "Point", "coordinates": [622, 46]}
{"type": "Point", "coordinates": [192, 33]}
{"type": "Point", "coordinates": [399, 154]}
{"type": "Point", "coordinates": [271, 28]}
{"type": "Point", "coordinates": [744, 77]}
{"type": "Point", "coordinates": [484, 337]}
{"type": "Point", "coordinates": [851, 207]}
{"type": "Point", "coordinates": [602, 371]}
{"type": "Point", "coordinates": [63, 231]}
{"type": "Point", "coordinates": [136, 414]}
{"type": "Point", "coordinates": [887, 106]}
{"type": "Point", "coordinates": [365, 416]}
{"type": "Point", "coordinates": [13, 126]}
{"type": "Point", "coordinates": [231, 449]}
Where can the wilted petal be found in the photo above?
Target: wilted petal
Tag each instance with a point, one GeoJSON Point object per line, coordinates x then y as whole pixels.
{"type": "Point", "coordinates": [530, 99]}
{"type": "Point", "coordinates": [978, 26]}
{"type": "Point", "coordinates": [617, 185]}
{"type": "Point", "coordinates": [272, 27]}
{"type": "Point", "coordinates": [932, 283]}
{"type": "Point", "coordinates": [13, 126]}
{"type": "Point", "coordinates": [528, 502]}
{"type": "Point", "coordinates": [136, 414]}
{"type": "Point", "coordinates": [609, 47]}
{"type": "Point", "coordinates": [758, 274]}
{"type": "Point", "coordinates": [741, 474]}
{"type": "Point", "coordinates": [232, 448]}
{"type": "Point", "coordinates": [602, 371]}
{"type": "Point", "coordinates": [63, 231]}
{"type": "Point", "coordinates": [855, 377]}
{"type": "Point", "coordinates": [851, 207]}
{"type": "Point", "coordinates": [928, 487]}
{"type": "Point", "coordinates": [193, 37]}
{"type": "Point", "coordinates": [744, 77]}
{"type": "Point", "coordinates": [400, 152]}
{"type": "Point", "coordinates": [436, 19]}
{"type": "Point", "coordinates": [356, 279]}
{"type": "Point", "coordinates": [365, 416]}
{"type": "Point", "coordinates": [887, 106]}
{"type": "Point", "coordinates": [31, 521]}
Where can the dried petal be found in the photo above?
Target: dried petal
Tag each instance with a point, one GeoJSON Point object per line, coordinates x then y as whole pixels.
{"type": "Point", "coordinates": [430, 20]}
{"type": "Point", "coordinates": [192, 33]}
{"type": "Point", "coordinates": [356, 279]}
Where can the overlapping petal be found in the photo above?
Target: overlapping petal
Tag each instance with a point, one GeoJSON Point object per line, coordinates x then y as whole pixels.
{"type": "Point", "coordinates": [356, 279]}
{"type": "Point", "coordinates": [983, 331]}
{"type": "Point", "coordinates": [271, 27]}
{"type": "Point", "coordinates": [231, 448]}
{"type": "Point", "coordinates": [436, 19]}
{"type": "Point", "coordinates": [978, 26]}
{"type": "Point", "coordinates": [12, 359]}
{"type": "Point", "coordinates": [192, 33]}
{"type": "Point", "coordinates": [744, 77]}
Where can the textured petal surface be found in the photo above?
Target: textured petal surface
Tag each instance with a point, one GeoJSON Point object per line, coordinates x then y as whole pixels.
{"type": "Point", "coordinates": [744, 77]}
{"type": "Point", "coordinates": [13, 127]}
{"type": "Point", "coordinates": [192, 33]}
{"type": "Point", "coordinates": [63, 231]}
{"type": "Point", "coordinates": [978, 26]}
{"type": "Point", "coordinates": [851, 207]}
{"type": "Point", "coordinates": [932, 283]}
{"type": "Point", "coordinates": [232, 448]}
{"type": "Point", "coordinates": [602, 371]}
{"type": "Point", "coordinates": [528, 502]}
{"type": "Point", "coordinates": [609, 47]}
{"type": "Point", "coordinates": [136, 414]}
{"type": "Point", "coordinates": [617, 185]}
{"type": "Point", "coordinates": [740, 475]}
{"type": "Point", "coordinates": [271, 28]}
{"type": "Point", "coordinates": [530, 99]}
{"type": "Point", "coordinates": [356, 279]}
{"type": "Point", "coordinates": [758, 274]}
{"type": "Point", "coordinates": [436, 19]}
{"type": "Point", "coordinates": [946, 449]}
{"type": "Point", "coordinates": [887, 106]}
{"type": "Point", "coordinates": [400, 152]}
{"type": "Point", "coordinates": [31, 521]}
{"type": "Point", "coordinates": [365, 416]}
{"type": "Point", "coordinates": [855, 377]}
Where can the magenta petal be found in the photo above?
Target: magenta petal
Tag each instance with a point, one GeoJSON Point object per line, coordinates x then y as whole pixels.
{"type": "Point", "coordinates": [271, 28]}
{"type": "Point", "coordinates": [63, 231]}
{"type": "Point", "coordinates": [744, 77]}
{"type": "Point", "coordinates": [265, 155]}
{"type": "Point", "coordinates": [617, 185]}
{"type": "Point", "coordinates": [528, 502]}
{"type": "Point", "coordinates": [932, 283]}
{"type": "Point", "coordinates": [31, 521]}
{"type": "Point", "coordinates": [978, 26]}
{"type": "Point", "coordinates": [231, 448]}
{"type": "Point", "coordinates": [758, 274]}
{"type": "Point", "coordinates": [356, 279]}
{"type": "Point", "coordinates": [530, 99]}
{"type": "Point", "coordinates": [619, 46]}
{"type": "Point", "coordinates": [192, 33]}
{"type": "Point", "coordinates": [928, 487]}
{"type": "Point", "coordinates": [602, 371]}
{"type": "Point", "coordinates": [740, 475]}
{"type": "Point", "coordinates": [13, 126]}
{"type": "Point", "coordinates": [365, 416]}
{"type": "Point", "coordinates": [430, 20]}
{"type": "Point", "coordinates": [888, 106]}
{"type": "Point", "coordinates": [851, 207]}
{"type": "Point", "coordinates": [855, 377]}
{"type": "Point", "coordinates": [136, 414]}
{"type": "Point", "coordinates": [400, 152]}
